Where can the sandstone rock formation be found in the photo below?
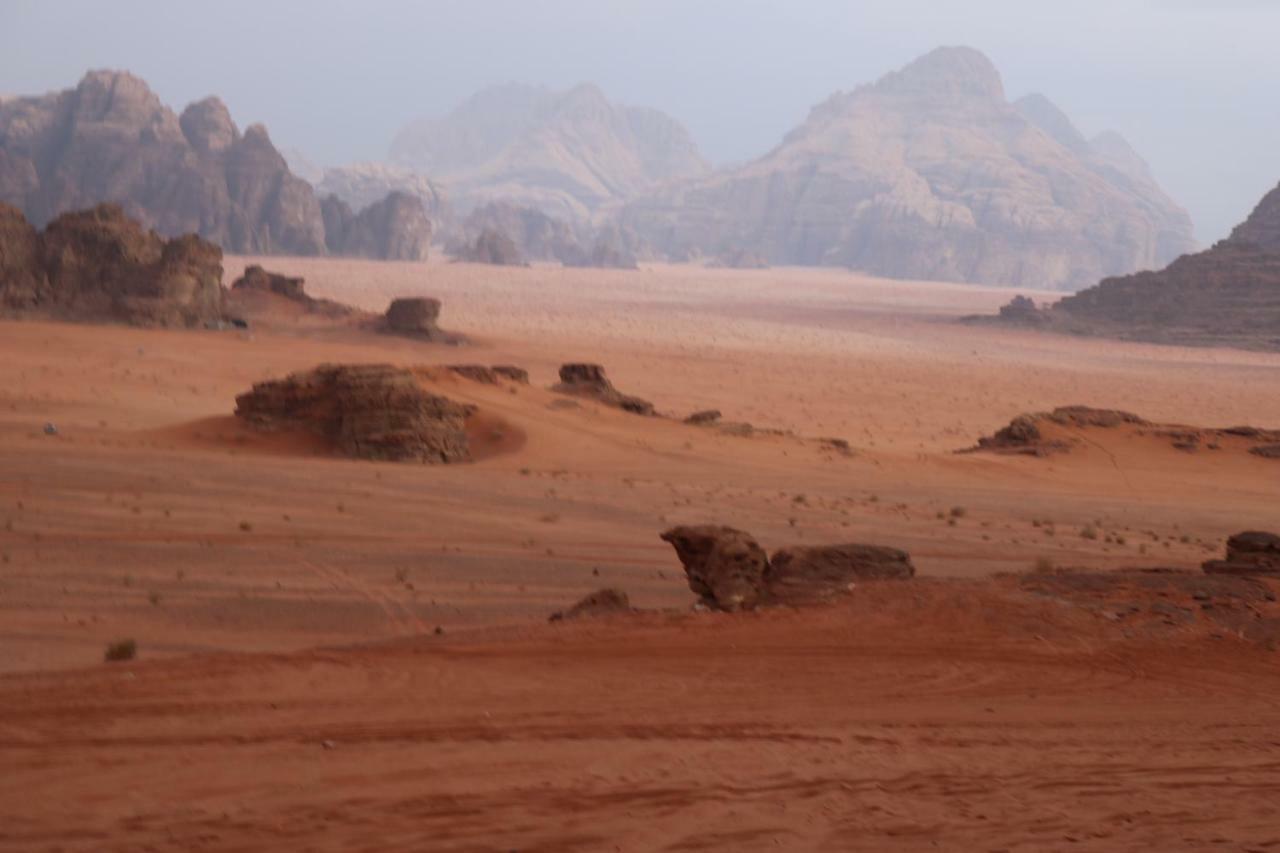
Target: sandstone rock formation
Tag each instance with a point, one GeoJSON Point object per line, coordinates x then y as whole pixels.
{"type": "Point", "coordinates": [1228, 295]}
{"type": "Point", "coordinates": [537, 236]}
{"type": "Point", "coordinates": [99, 264]}
{"type": "Point", "coordinates": [110, 139]}
{"type": "Point", "coordinates": [1044, 433]}
{"type": "Point", "coordinates": [565, 153]}
{"type": "Point", "coordinates": [363, 184]}
{"type": "Point", "coordinates": [490, 375]}
{"type": "Point", "coordinates": [395, 228]}
{"type": "Point", "coordinates": [588, 380]}
{"type": "Point", "coordinates": [490, 247]}
{"type": "Point", "coordinates": [373, 411]}
{"type": "Point", "coordinates": [725, 567]}
{"type": "Point", "coordinates": [728, 569]}
{"type": "Point", "coordinates": [259, 294]}
{"type": "Point", "coordinates": [928, 173]}
{"type": "Point", "coordinates": [1250, 553]}
{"type": "Point", "coordinates": [602, 602]}
{"type": "Point", "coordinates": [413, 315]}
{"type": "Point", "coordinates": [809, 574]}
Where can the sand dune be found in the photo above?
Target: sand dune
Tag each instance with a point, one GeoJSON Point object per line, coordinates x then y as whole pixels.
{"type": "Point", "coordinates": [966, 716]}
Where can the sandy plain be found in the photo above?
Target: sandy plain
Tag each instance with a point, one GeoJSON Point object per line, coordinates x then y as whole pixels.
{"type": "Point", "coordinates": [292, 691]}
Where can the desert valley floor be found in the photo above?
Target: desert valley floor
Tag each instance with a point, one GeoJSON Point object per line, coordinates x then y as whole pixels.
{"type": "Point", "coordinates": [343, 655]}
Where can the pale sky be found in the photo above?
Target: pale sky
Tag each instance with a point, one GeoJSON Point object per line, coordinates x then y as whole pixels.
{"type": "Point", "coordinates": [1191, 83]}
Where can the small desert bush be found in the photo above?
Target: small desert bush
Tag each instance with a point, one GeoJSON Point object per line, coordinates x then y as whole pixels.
{"type": "Point", "coordinates": [121, 650]}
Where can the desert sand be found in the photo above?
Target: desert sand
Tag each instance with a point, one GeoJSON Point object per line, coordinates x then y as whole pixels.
{"type": "Point", "coordinates": [339, 655]}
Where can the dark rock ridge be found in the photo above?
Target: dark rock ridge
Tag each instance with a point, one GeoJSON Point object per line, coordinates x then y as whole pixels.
{"type": "Point", "coordinates": [490, 375]}
{"type": "Point", "coordinates": [373, 411]}
{"type": "Point", "coordinates": [1025, 434]}
{"type": "Point", "coordinates": [728, 570]}
{"type": "Point", "coordinates": [253, 296]}
{"type": "Point", "coordinates": [929, 173]}
{"type": "Point", "coordinates": [1228, 295]}
{"type": "Point", "coordinates": [1253, 552]}
{"type": "Point", "coordinates": [395, 228]}
{"type": "Point", "coordinates": [588, 380]}
{"type": "Point", "coordinates": [110, 139]}
{"type": "Point", "coordinates": [602, 602]}
{"type": "Point", "coordinates": [100, 265]}
{"type": "Point", "coordinates": [568, 154]}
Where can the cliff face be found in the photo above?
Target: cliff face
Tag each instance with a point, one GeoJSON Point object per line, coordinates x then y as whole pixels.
{"type": "Point", "coordinates": [110, 139]}
{"type": "Point", "coordinates": [566, 154]}
{"type": "Point", "coordinates": [395, 228]}
{"type": "Point", "coordinates": [929, 173]}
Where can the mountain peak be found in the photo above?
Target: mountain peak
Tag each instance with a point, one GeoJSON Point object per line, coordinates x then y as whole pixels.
{"type": "Point", "coordinates": [946, 71]}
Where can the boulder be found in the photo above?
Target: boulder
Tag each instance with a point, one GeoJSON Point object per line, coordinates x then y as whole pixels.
{"type": "Point", "coordinates": [588, 380]}
{"type": "Point", "coordinates": [252, 295]}
{"type": "Point", "coordinates": [413, 315]}
{"type": "Point", "coordinates": [602, 602]}
{"type": "Point", "coordinates": [706, 416]}
{"type": "Point", "coordinates": [810, 574]}
{"type": "Point", "coordinates": [257, 278]}
{"type": "Point", "coordinates": [373, 411]}
{"type": "Point", "coordinates": [1253, 552]}
{"type": "Point", "coordinates": [725, 567]}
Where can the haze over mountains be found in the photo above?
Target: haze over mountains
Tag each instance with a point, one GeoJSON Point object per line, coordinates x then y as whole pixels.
{"type": "Point", "coordinates": [565, 153]}
{"type": "Point", "coordinates": [931, 173]}
{"type": "Point", "coordinates": [928, 173]}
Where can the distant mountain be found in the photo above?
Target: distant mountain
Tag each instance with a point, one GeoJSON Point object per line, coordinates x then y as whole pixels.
{"type": "Point", "coordinates": [363, 184]}
{"type": "Point", "coordinates": [1228, 295]}
{"type": "Point", "coordinates": [930, 173]}
{"type": "Point", "coordinates": [110, 139]}
{"type": "Point", "coordinates": [564, 153]}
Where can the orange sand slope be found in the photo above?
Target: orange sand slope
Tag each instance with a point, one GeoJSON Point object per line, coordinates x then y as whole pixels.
{"type": "Point", "coordinates": [944, 713]}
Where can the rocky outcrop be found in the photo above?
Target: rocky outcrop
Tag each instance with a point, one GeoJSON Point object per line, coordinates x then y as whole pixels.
{"type": "Point", "coordinates": [929, 173]}
{"type": "Point", "coordinates": [588, 380]}
{"type": "Point", "coordinates": [360, 185]}
{"type": "Point", "coordinates": [259, 295]}
{"type": "Point", "coordinates": [536, 235]}
{"type": "Point", "coordinates": [567, 154]}
{"type": "Point", "coordinates": [1058, 431]}
{"type": "Point", "coordinates": [1250, 553]}
{"type": "Point", "coordinates": [110, 139]}
{"type": "Point", "coordinates": [1228, 295]}
{"type": "Point", "coordinates": [810, 574]}
{"type": "Point", "coordinates": [725, 567]}
{"type": "Point", "coordinates": [610, 249]}
{"type": "Point", "coordinates": [374, 411]}
{"type": "Point", "coordinates": [490, 247]}
{"type": "Point", "coordinates": [602, 602]}
{"type": "Point", "coordinates": [728, 569]}
{"type": "Point", "coordinates": [413, 315]}
{"type": "Point", "coordinates": [395, 228]}
{"type": "Point", "coordinates": [100, 265]}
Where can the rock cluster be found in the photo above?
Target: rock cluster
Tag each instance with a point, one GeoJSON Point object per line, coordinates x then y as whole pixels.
{"type": "Point", "coordinates": [930, 173]}
{"type": "Point", "coordinates": [491, 247]}
{"type": "Point", "coordinates": [1250, 553]}
{"type": "Point", "coordinates": [111, 139]}
{"type": "Point", "coordinates": [1227, 295]}
{"type": "Point", "coordinates": [101, 265]}
{"type": "Point", "coordinates": [374, 411]}
{"type": "Point", "coordinates": [728, 570]}
{"type": "Point", "coordinates": [588, 380]}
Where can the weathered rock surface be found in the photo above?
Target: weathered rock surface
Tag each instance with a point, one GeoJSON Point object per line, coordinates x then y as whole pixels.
{"type": "Point", "coordinates": [809, 574]}
{"type": "Point", "coordinates": [928, 173]}
{"type": "Point", "coordinates": [1253, 552]}
{"type": "Point", "coordinates": [602, 602]}
{"type": "Point", "coordinates": [1227, 295]}
{"type": "Point", "coordinates": [490, 247]}
{"type": "Point", "coordinates": [565, 153]}
{"type": "Point", "coordinates": [110, 139]}
{"type": "Point", "coordinates": [537, 236]}
{"type": "Point", "coordinates": [728, 569]}
{"type": "Point", "coordinates": [588, 380]}
{"type": "Point", "coordinates": [725, 567]}
{"type": "Point", "coordinates": [363, 184]}
{"type": "Point", "coordinates": [373, 411]}
{"type": "Point", "coordinates": [100, 265]}
{"type": "Point", "coordinates": [1026, 434]}
{"type": "Point", "coordinates": [252, 297]}
{"type": "Point", "coordinates": [413, 315]}
{"type": "Point", "coordinates": [395, 228]}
